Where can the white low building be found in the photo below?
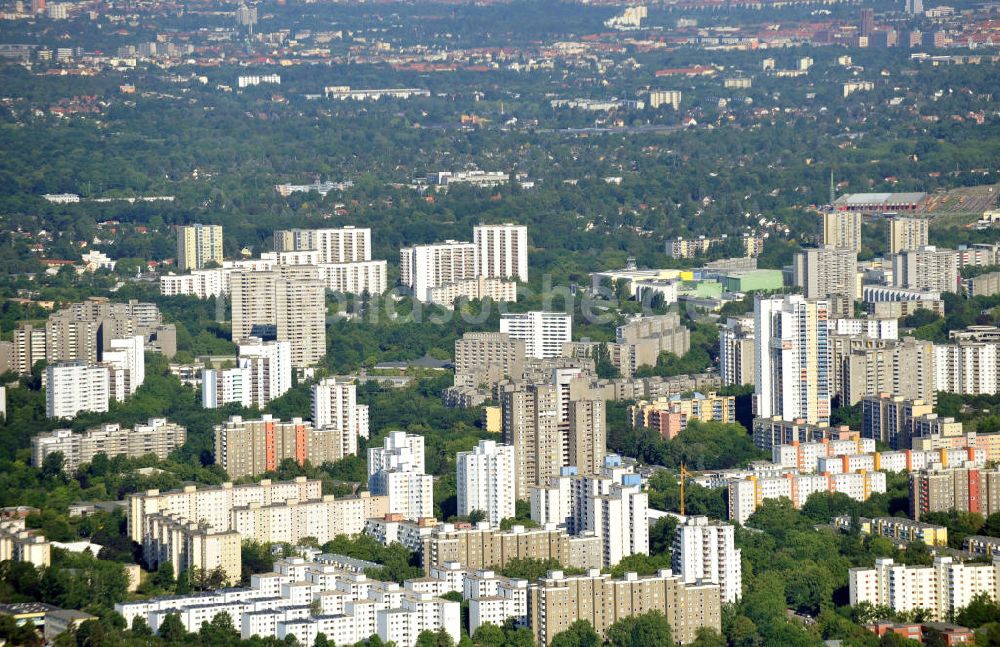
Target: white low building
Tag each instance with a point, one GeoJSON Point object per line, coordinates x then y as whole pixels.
{"type": "Point", "coordinates": [304, 598]}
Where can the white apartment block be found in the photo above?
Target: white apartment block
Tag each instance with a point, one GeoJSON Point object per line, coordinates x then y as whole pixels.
{"type": "Point", "coordinates": [410, 494]}
{"type": "Point", "coordinates": [322, 518]}
{"type": "Point", "coordinates": [926, 268]}
{"type": "Point", "coordinates": [335, 245]}
{"type": "Point", "coordinates": [610, 505]}
{"type": "Point", "coordinates": [199, 283]}
{"type": "Point", "coordinates": [904, 461]}
{"type": "Point", "coordinates": [940, 589]}
{"type": "Point", "coordinates": [745, 496]}
{"type": "Point", "coordinates": [423, 267]}
{"type": "Point", "coordinates": [502, 251]}
{"type": "Point", "coordinates": [792, 362]}
{"type": "Point", "coordinates": [805, 456]}
{"type": "Point", "coordinates": [705, 551]}
{"type": "Point", "coordinates": [335, 405]}
{"type": "Point", "coordinates": [395, 528]}
{"type": "Point", "coordinates": [355, 278]}
{"type": "Point", "coordinates": [396, 470]}
{"type": "Point", "coordinates": [494, 599]}
{"type": "Point", "coordinates": [221, 386]}
{"type": "Point", "coordinates": [157, 437]}
{"type": "Point", "coordinates": [270, 365]}
{"type": "Point", "coordinates": [486, 481]}
{"type": "Point", "coordinates": [298, 257]}
{"type": "Point", "coordinates": [303, 599]}
{"type": "Point", "coordinates": [969, 368]}
{"type": "Point", "coordinates": [867, 328]}
{"type": "Point", "coordinates": [400, 451]}
{"type": "Point", "coordinates": [543, 333]}
{"type": "Point", "coordinates": [126, 360]}
{"type": "Point", "coordinates": [75, 386]}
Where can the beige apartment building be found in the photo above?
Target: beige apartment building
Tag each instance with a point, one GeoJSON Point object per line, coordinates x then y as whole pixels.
{"type": "Point", "coordinates": [20, 545]}
{"type": "Point", "coordinates": [488, 358]}
{"type": "Point", "coordinates": [214, 505]}
{"type": "Point", "coordinates": [204, 528]}
{"type": "Point", "coordinates": [323, 518]}
{"type": "Point", "coordinates": [482, 547]}
{"type": "Point", "coordinates": [558, 600]}
{"type": "Point", "coordinates": [638, 343]}
{"type": "Point", "coordinates": [157, 437]}
{"type": "Point", "coordinates": [890, 419]}
{"type": "Point", "coordinates": [198, 245]}
{"type": "Point", "coordinates": [829, 273]}
{"type": "Point", "coordinates": [926, 268]}
{"type": "Point", "coordinates": [842, 229]}
{"type": "Point", "coordinates": [862, 367]}
{"type": "Point", "coordinates": [903, 233]}
{"type": "Point", "coordinates": [287, 303]}
{"type": "Point", "coordinates": [83, 331]}
{"type": "Point", "coordinates": [189, 546]}
{"type": "Point", "coordinates": [252, 447]}
{"type": "Point", "coordinates": [552, 426]}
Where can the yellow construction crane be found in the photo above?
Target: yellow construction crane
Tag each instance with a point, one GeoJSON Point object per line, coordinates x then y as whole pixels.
{"type": "Point", "coordinates": [684, 475]}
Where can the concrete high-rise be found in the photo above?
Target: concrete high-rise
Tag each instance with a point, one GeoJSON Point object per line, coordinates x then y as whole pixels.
{"type": "Point", "coordinates": [396, 470]}
{"type": "Point", "coordinates": [221, 386]}
{"type": "Point", "coordinates": [341, 245]}
{"type": "Point", "coordinates": [543, 332]}
{"type": "Point", "coordinates": [610, 505]}
{"type": "Point", "coordinates": [552, 425]}
{"type": "Point", "coordinates": [862, 367]}
{"type": "Point", "coordinates": [488, 358]}
{"type": "Point", "coordinates": [423, 267]}
{"type": "Point", "coordinates": [926, 268]}
{"type": "Point", "coordinates": [842, 229]}
{"type": "Point", "coordinates": [485, 481]}
{"type": "Point", "coordinates": [792, 364]}
{"type": "Point", "coordinates": [126, 362]}
{"type": "Point", "coordinates": [284, 304]}
{"type": "Point", "coordinates": [867, 21]}
{"type": "Point", "coordinates": [270, 366]}
{"type": "Point", "coordinates": [736, 351]}
{"type": "Point", "coordinates": [889, 419]}
{"type": "Point", "coordinates": [967, 367]}
{"type": "Point", "coordinates": [828, 273]}
{"type": "Point", "coordinates": [75, 386]}
{"type": "Point", "coordinates": [335, 405]}
{"type": "Point", "coordinates": [198, 245]}
{"type": "Point", "coordinates": [502, 251]}
{"type": "Point", "coordinates": [903, 233]}
{"type": "Point", "coordinates": [705, 551]}
{"type": "Point", "coordinates": [253, 447]}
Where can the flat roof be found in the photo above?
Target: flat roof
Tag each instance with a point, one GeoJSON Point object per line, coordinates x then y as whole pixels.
{"type": "Point", "coordinates": [860, 199]}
